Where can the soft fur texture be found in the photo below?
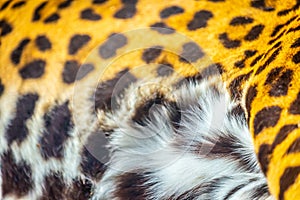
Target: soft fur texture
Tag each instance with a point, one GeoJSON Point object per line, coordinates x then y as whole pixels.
{"type": "Point", "coordinates": [195, 148]}
{"type": "Point", "coordinates": [62, 61]}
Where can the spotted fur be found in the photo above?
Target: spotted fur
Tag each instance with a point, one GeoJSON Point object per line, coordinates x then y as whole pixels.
{"type": "Point", "coordinates": [69, 67]}
{"type": "Point", "coordinates": [194, 148]}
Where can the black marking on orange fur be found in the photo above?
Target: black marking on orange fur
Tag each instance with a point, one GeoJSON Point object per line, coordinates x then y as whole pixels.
{"type": "Point", "coordinates": [36, 15]}
{"type": "Point", "coordinates": [5, 27]}
{"type": "Point", "coordinates": [77, 42]}
{"type": "Point", "coordinates": [32, 70]}
{"type": "Point", "coordinates": [111, 45]}
{"type": "Point", "coordinates": [295, 106]}
{"type": "Point", "coordinates": [151, 53]}
{"type": "Point", "coordinates": [17, 52]}
{"type": "Point", "coordinates": [43, 43]}
{"type": "Point", "coordinates": [266, 117]}
{"type": "Point", "coordinates": [90, 14]}
{"type": "Point", "coordinates": [199, 20]}
{"type": "Point", "coordinates": [169, 11]}
{"type": "Point", "coordinates": [287, 179]}
{"type": "Point", "coordinates": [227, 42]}
{"type": "Point", "coordinates": [191, 52]}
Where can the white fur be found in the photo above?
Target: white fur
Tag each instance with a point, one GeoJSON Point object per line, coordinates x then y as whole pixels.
{"type": "Point", "coordinates": [170, 157]}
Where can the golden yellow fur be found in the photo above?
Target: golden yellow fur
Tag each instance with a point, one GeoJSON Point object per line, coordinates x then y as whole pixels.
{"type": "Point", "coordinates": [52, 89]}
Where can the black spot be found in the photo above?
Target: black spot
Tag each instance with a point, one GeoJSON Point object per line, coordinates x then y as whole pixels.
{"type": "Point", "coordinates": [267, 117]}
{"type": "Point", "coordinates": [90, 165]}
{"type": "Point", "coordinates": [89, 14]}
{"type": "Point", "coordinates": [200, 20]}
{"type": "Point", "coordinates": [280, 26]}
{"type": "Point", "coordinates": [191, 52]}
{"type": "Point", "coordinates": [217, 0]}
{"type": "Point", "coordinates": [142, 113]}
{"type": "Point", "coordinates": [65, 4]}
{"type": "Point", "coordinates": [151, 53]}
{"type": "Point", "coordinates": [227, 42]}
{"type": "Point", "coordinates": [254, 32]}
{"type": "Point", "coordinates": [16, 177]}
{"type": "Point", "coordinates": [268, 61]}
{"type": "Point", "coordinates": [58, 123]}
{"type": "Point", "coordinates": [277, 38]}
{"type": "Point", "coordinates": [132, 185]}
{"type": "Point", "coordinates": [296, 58]}
{"type": "Point", "coordinates": [250, 53]}
{"type": "Point", "coordinates": [105, 97]}
{"type": "Point", "coordinates": [54, 187]}
{"type": "Point", "coordinates": [127, 2]}
{"type": "Point", "coordinates": [264, 154]}
{"type": "Point", "coordinates": [17, 129]}
{"type": "Point", "coordinates": [295, 106]}
{"type": "Point", "coordinates": [286, 11]}
{"type": "Point", "coordinates": [37, 15]}
{"type": "Point", "coordinates": [260, 4]}
{"type": "Point", "coordinates": [169, 11]}
{"type": "Point", "coordinates": [128, 11]}
{"type": "Point", "coordinates": [1, 88]}
{"type": "Point", "coordinates": [43, 43]}
{"type": "Point", "coordinates": [238, 111]}
{"type": "Point", "coordinates": [296, 43]}
{"type": "Point", "coordinates": [84, 70]}
{"type": "Point", "coordinates": [282, 134]}
{"type": "Point", "coordinates": [236, 85]}
{"type": "Point", "coordinates": [256, 60]}
{"type": "Point", "coordinates": [295, 147]}
{"type": "Point", "coordinates": [257, 3]}
{"type": "Point", "coordinates": [5, 28]}
{"type": "Point", "coordinates": [287, 179]}
{"type": "Point", "coordinates": [277, 29]}
{"type": "Point", "coordinates": [274, 47]}
{"type": "Point", "coordinates": [212, 70]}
{"type": "Point", "coordinates": [99, 1]}
{"type": "Point", "coordinates": [81, 189]}
{"type": "Point", "coordinates": [162, 28]}
{"type": "Point", "coordinates": [250, 96]}
{"type": "Point", "coordinates": [164, 69]}
{"type": "Point", "coordinates": [17, 52]}
{"type": "Point", "coordinates": [70, 71]}
{"type": "Point", "coordinates": [240, 63]}
{"type": "Point", "coordinates": [77, 42]}
{"type": "Point", "coordinates": [272, 75]}
{"type": "Point", "coordinates": [192, 79]}
{"type": "Point", "coordinates": [108, 48]}
{"type": "Point", "coordinates": [18, 4]}
{"type": "Point", "coordinates": [241, 20]}
{"type": "Point", "coordinates": [294, 29]}
{"type": "Point", "coordinates": [34, 69]}
{"type": "Point", "coordinates": [147, 111]}
{"type": "Point", "coordinates": [5, 4]}
{"type": "Point", "coordinates": [52, 18]}
{"type": "Point", "coordinates": [281, 86]}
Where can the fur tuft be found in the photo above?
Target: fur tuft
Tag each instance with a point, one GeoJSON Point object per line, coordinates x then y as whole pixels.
{"type": "Point", "coordinates": [191, 147]}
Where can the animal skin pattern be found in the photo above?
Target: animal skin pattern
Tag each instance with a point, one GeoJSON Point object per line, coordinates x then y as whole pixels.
{"type": "Point", "coordinates": [146, 100]}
